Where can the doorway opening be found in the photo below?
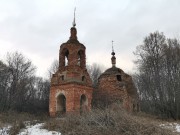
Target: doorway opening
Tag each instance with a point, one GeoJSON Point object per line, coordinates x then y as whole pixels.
{"type": "Point", "coordinates": [83, 104]}
{"type": "Point", "coordinates": [61, 104]}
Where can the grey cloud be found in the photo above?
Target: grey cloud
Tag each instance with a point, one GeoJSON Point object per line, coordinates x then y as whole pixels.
{"type": "Point", "coordinates": [39, 27]}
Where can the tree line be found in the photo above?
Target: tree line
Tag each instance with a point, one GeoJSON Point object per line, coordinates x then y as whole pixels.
{"type": "Point", "coordinates": [20, 88]}
{"type": "Point", "coordinates": [158, 75]}
{"type": "Point", "coordinates": [157, 79]}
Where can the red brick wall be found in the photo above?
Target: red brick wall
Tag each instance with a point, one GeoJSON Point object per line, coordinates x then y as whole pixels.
{"type": "Point", "coordinates": [113, 90]}
{"type": "Point", "coordinates": [71, 80]}
{"type": "Point", "coordinates": [73, 93]}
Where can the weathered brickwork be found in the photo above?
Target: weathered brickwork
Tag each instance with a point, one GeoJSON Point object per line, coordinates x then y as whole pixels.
{"type": "Point", "coordinates": [115, 85]}
{"type": "Point", "coordinates": [72, 93]}
{"type": "Point", "coordinates": [71, 86]}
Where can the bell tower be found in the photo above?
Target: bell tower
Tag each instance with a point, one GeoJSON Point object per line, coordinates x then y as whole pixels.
{"type": "Point", "coordinates": [71, 86]}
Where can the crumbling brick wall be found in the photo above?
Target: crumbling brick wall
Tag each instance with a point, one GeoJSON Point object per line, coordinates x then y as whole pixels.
{"type": "Point", "coordinates": [71, 86]}
{"type": "Point", "coordinates": [116, 86]}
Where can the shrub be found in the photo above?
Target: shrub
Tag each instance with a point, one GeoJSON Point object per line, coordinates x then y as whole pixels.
{"type": "Point", "coordinates": [19, 120]}
{"type": "Point", "coordinates": [111, 121]}
{"type": "Point", "coordinates": [16, 127]}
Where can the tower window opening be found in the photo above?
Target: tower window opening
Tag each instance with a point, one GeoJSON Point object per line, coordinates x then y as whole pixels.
{"type": "Point", "coordinates": [83, 78]}
{"type": "Point", "coordinates": [66, 61]}
{"type": "Point", "coordinates": [66, 57]}
{"type": "Point", "coordinates": [80, 57]}
{"type": "Point", "coordinates": [119, 77]}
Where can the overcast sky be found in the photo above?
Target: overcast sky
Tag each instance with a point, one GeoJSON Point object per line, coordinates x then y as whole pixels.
{"type": "Point", "coordinates": [37, 28]}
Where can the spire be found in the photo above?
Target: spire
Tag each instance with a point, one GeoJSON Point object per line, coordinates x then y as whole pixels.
{"type": "Point", "coordinates": [113, 53]}
{"type": "Point", "coordinates": [73, 33]}
{"type": "Point", "coordinates": [74, 21]}
{"type": "Point", "coordinates": [113, 58]}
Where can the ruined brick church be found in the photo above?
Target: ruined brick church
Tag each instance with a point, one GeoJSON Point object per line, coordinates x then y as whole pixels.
{"type": "Point", "coordinates": [71, 86]}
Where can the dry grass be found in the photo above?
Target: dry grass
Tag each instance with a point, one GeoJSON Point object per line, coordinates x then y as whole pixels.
{"type": "Point", "coordinates": [16, 127]}
{"type": "Point", "coordinates": [11, 117]}
{"type": "Point", "coordinates": [111, 121]}
{"type": "Point", "coordinates": [17, 120]}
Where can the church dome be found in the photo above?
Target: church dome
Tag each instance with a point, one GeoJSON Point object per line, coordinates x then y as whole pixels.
{"type": "Point", "coordinates": [115, 85]}
{"type": "Point", "coordinates": [111, 71]}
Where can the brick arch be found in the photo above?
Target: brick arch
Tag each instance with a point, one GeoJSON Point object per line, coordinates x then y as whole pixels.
{"type": "Point", "coordinates": [81, 58]}
{"type": "Point", "coordinates": [83, 103]}
{"type": "Point", "coordinates": [61, 103]}
{"type": "Point", "coordinates": [64, 57]}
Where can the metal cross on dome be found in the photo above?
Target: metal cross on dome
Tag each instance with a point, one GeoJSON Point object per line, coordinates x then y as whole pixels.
{"type": "Point", "coordinates": [112, 46]}
{"type": "Point", "coordinates": [74, 21]}
{"type": "Point", "coordinates": [113, 53]}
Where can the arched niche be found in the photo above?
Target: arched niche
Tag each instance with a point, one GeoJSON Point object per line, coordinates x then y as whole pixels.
{"type": "Point", "coordinates": [83, 103]}
{"type": "Point", "coordinates": [81, 58]}
{"type": "Point", "coordinates": [64, 57]}
{"type": "Point", "coordinates": [61, 104]}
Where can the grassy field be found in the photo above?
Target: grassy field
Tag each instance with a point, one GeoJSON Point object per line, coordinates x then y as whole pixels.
{"type": "Point", "coordinates": [111, 121]}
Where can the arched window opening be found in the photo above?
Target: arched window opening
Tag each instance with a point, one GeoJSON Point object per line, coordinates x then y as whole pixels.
{"type": "Point", "coordinates": [80, 58]}
{"type": "Point", "coordinates": [61, 104]}
{"type": "Point", "coordinates": [119, 77]}
{"type": "Point", "coordinates": [66, 57]}
{"type": "Point", "coordinates": [83, 78]}
{"type": "Point", "coordinates": [83, 104]}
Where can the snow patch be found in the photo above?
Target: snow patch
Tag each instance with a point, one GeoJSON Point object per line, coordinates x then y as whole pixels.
{"type": "Point", "coordinates": [5, 130]}
{"type": "Point", "coordinates": [178, 128]}
{"type": "Point", "coordinates": [172, 126]}
{"type": "Point", "coordinates": [37, 130]}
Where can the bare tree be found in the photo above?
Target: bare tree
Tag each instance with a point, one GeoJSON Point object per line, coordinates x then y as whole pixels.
{"type": "Point", "coordinates": [4, 77]}
{"type": "Point", "coordinates": [21, 73]}
{"type": "Point", "coordinates": [158, 61]}
{"type": "Point", "coordinates": [39, 99]}
{"type": "Point", "coordinates": [95, 71]}
{"type": "Point", "coordinates": [53, 68]}
{"type": "Point", "coordinates": [20, 89]}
